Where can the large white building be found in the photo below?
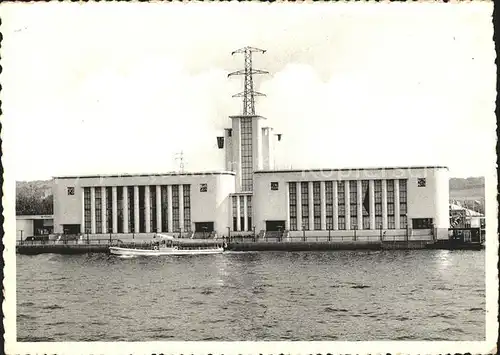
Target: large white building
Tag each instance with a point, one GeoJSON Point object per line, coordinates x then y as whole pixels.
{"type": "Point", "coordinates": [250, 196]}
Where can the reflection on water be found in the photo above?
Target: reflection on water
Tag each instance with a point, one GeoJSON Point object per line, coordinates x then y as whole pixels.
{"type": "Point", "coordinates": [343, 295]}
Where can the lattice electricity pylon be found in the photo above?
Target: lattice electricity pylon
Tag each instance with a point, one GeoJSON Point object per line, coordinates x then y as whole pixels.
{"type": "Point", "coordinates": [248, 94]}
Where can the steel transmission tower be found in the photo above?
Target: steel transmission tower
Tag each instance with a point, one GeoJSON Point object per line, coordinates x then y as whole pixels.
{"type": "Point", "coordinates": [248, 94]}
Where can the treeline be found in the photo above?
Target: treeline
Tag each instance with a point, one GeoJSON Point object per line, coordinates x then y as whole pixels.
{"type": "Point", "coordinates": [34, 198]}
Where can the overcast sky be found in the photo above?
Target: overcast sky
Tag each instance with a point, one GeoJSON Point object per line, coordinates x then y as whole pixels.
{"type": "Point", "coordinates": [119, 87]}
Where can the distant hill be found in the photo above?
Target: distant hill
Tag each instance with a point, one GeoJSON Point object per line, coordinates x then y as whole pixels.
{"type": "Point", "coordinates": [466, 189]}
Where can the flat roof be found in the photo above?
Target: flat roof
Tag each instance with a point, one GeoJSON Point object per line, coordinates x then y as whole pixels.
{"type": "Point", "coordinates": [35, 216]}
{"type": "Point", "coordinates": [248, 116]}
{"type": "Point", "coordinates": [198, 173]}
{"type": "Point", "coordinates": [348, 169]}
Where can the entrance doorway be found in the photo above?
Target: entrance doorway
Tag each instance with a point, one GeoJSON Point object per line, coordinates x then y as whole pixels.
{"type": "Point", "coordinates": [71, 228]}
{"type": "Point", "coordinates": [275, 226]}
{"type": "Point", "coordinates": [201, 227]}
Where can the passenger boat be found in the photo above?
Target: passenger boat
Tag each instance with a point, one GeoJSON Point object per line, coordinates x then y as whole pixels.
{"type": "Point", "coordinates": [164, 245]}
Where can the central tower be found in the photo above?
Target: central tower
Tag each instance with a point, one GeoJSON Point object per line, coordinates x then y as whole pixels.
{"type": "Point", "coordinates": [246, 128]}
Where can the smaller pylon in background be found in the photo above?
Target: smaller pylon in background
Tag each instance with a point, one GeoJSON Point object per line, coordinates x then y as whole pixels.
{"type": "Point", "coordinates": [180, 157]}
{"type": "Point", "coordinates": [248, 93]}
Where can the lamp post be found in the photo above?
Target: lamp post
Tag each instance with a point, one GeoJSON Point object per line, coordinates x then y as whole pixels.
{"type": "Point", "coordinates": [279, 234]}
{"type": "Point", "coordinates": [303, 231]}
{"type": "Point", "coordinates": [380, 227]}
{"type": "Point", "coordinates": [254, 236]}
{"type": "Point", "coordinates": [229, 233]}
{"type": "Point", "coordinates": [329, 233]}
{"type": "Point", "coordinates": [355, 227]}
{"type": "Point", "coordinates": [21, 236]}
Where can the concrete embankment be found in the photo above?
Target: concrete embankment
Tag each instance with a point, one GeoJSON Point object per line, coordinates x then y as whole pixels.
{"type": "Point", "coordinates": [61, 249]}
{"type": "Point", "coordinates": [319, 246]}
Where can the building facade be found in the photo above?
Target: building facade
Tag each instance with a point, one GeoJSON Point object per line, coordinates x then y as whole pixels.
{"type": "Point", "coordinates": [251, 196]}
{"type": "Point", "coordinates": [404, 201]}
{"type": "Point", "coordinates": [143, 204]}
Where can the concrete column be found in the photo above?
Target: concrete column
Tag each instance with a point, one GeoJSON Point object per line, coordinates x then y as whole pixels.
{"type": "Point", "coordinates": [228, 148]}
{"type": "Point", "coordinates": [147, 211]}
{"type": "Point", "coordinates": [92, 210]}
{"type": "Point", "coordinates": [104, 203]}
{"type": "Point", "coordinates": [371, 191]}
{"type": "Point", "coordinates": [359, 204]}
{"type": "Point", "coordinates": [238, 214]}
{"type": "Point", "coordinates": [335, 206]}
{"type": "Point", "coordinates": [125, 209]}
{"type": "Point", "coordinates": [158, 208]}
{"type": "Point", "coordinates": [311, 206]}
{"type": "Point", "coordinates": [299, 206]}
{"type": "Point", "coordinates": [323, 205]}
{"type": "Point", "coordinates": [287, 202]}
{"type": "Point", "coordinates": [396, 204]}
{"type": "Point", "coordinates": [181, 208]}
{"type": "Point", "coordinates": [245, 213]}
{"type": "Point", "coordinates": [384, 204]}
{"type": "Point", "coordinates": [136, 209]}
{"type": "Point", "coordinates": [170, 218]}
{"type": "Point", "coordinates": [347, 200]}
{"type": "Point", "coordinates": [115, 209]}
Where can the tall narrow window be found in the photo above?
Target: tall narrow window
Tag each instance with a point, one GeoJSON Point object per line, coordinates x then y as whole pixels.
{"type": "Point", "coordinates": [242, 214]}
{"type": "Point", "coordinates": [365, 191]}
{"type": "Point", "coordinates": [249, 212]}
{"type": "Point", "coordinates": [391, 224]}
{"type": "Point", "coordinates": [317, 204]}
{"type": "Point", "coordinates": [187, 207]}
{"type": "Point", "coordinates": [86, 210]}
{"type": "Point", "coordinates": [341, 202]}
{"type": "Point", "coordinates": [292, 186]}
{"type": "Point", "coordinates": [377, 186]}
{"type": "Point", "coordinates": [164, 208]}
{"type": "Point", "coordinates": [234, 206]}
{"type": "Point", "coordinates": [403, 204]}
{"type": "Point", "coordinates": [131, 210]}
{"type": "Point", "coordinates": [109, 209]}
{"type": "Point", "coordinates": [175, 208]}
{"type": "Point", "coordinates": [98, 210]}
{"type": "Point", "coordinates": [152, 208]}
{"type": "Point", "coordinates": [246, 154]}
{"type": "Point", "coordinates": [329, 204]}
{"type": "Point", "coordinates": [353, 203]}
{"type": "Point", "coordinates": [304, 188]}
{"type": "Point", "coordinates": [119, 208]}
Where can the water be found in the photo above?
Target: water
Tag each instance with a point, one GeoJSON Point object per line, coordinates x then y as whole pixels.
{"type": "Point", "coordinates": [342, 295]}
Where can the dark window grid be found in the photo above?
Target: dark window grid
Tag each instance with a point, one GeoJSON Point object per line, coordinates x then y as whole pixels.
{"type": "Point", "coordinates": [390, 196]}
{"type": "Point", "coordinates": [329, 222]}
{"type": "Point", "coordinates": [353, 210]}
{"type": "Point", "coordinates": [293, 223]}
{"type": "Point", "coordinates": [403, 221]}
{"type": "Point", "coordinates": [341, 223]}
{"type": "Point", "coordinates": [390, 209]}
{"type": "Point", "coordinates": [365, 189]}
{"type": "Point", "coordinates": [317, 223]}
{"type": "Point", "coordinates": [391, 222]}
{"type": "Point", "coordinates": [109, 209]}
{"type": "Point", "coordinates": [354, 222]}
{"type": "Point", "coordinates": [378, 209]}
{"type": "Point", "coordinates": [378, 221]}
{"type": "Point", "coordinates": [329, 209]}
{"type": "Point", "coordinates": [403, 197]}
{"type": "Point", "coordinates": [402, 185]}
{"type": "Point", "coordinates": [86, 208]}
{"type": "Point", "coordinates": [341, 210]}
{"type": "Point", "coordinates": [403, 210]}
{"type": "Point", "coordinates": [131, 211]}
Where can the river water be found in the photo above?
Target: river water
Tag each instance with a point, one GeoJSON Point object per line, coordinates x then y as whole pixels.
{"type": "Point", "coordinates": [341, 295]}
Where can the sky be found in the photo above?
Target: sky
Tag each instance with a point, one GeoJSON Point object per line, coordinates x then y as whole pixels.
{"type": "Point", "coordinates": [105, 88]}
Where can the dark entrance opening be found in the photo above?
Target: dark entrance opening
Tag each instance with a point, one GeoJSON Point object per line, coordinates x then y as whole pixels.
{"type": "Point", "coordinates": [71, 228]}
{"type": "Point", "coordinates": [201, 227]}
{"type": "Point", "coordinates": [275, 226]}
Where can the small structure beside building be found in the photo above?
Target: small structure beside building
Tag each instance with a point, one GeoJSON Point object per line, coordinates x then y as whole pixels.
{"type": "Point", "coordinates": [34, 227]}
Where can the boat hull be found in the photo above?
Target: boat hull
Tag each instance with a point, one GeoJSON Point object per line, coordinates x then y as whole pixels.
{"type": "Point", "coordinates": [163, 251]}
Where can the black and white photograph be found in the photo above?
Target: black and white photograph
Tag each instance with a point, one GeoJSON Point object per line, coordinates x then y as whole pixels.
{"type": "Point", "coordinates": [261, 178]}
